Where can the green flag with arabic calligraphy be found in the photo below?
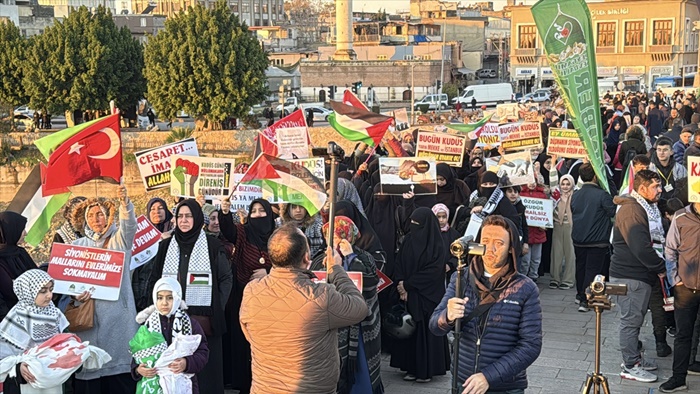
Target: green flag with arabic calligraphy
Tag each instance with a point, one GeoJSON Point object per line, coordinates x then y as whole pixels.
{"type": "Point", "coordinates": [568, 43]}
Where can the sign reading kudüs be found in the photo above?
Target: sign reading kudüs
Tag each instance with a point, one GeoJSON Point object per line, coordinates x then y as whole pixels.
{"type": "Point", "coordinates": [76, 269]}
{"type": "Point", "coordinates": [443, 147]}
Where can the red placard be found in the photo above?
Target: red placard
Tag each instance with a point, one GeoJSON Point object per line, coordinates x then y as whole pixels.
{"type": "Point", "coordinates": [145, 242]}
{"type": "Point", "coordinates": [355, 277]}
{"type": "Point", "coordinates": [76, 269]}
{"type": "Point", "coordinates": [384, 281]}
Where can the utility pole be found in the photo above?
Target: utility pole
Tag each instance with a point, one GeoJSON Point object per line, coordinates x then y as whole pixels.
{"type": "Point", "coordinates": [442, 53]}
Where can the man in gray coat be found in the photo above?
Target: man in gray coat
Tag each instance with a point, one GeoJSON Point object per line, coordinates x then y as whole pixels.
{"type": "Point", "coordinates": [114, 321]}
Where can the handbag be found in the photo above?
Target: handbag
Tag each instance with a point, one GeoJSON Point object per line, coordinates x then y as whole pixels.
{"type": "Point", "coordinates": [80, 317]}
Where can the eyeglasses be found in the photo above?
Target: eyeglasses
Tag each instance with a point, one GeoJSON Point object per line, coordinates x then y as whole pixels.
{"type": "Point", "coordinates": [185, 216]}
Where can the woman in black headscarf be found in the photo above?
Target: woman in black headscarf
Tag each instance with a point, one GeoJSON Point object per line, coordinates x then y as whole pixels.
{"type": "Point", "coordinates": [420, 277]}
{"type": "Point", "coordinates": [368, 240]}
{"type": "Point", "coordinates": [14, 260]}
{"type": "Point", "coordinates": [252, 261]}
{"type": "Point", "coordinates": [199, 263]}
{"type": "Point", "coordinates": [159, 215]}
{"type": "Point", "coordinates": [451, 191]}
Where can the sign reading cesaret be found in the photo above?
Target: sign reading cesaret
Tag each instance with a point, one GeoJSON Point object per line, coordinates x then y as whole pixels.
{"type": "Point", "coordinates": [154, 164]}
{"type": "Point", "coordinates": [76, 269]}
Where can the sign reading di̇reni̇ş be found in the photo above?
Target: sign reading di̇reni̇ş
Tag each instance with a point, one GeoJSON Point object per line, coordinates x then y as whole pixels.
{"type": "Point", "coordinates": [76, 269]}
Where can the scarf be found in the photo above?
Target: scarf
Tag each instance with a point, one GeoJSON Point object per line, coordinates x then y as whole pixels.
{"type": "Point", "coordinates": [198, 281]}
{"type": "Point", "coordinates": [344, 228]}
{"type": "Point", "coordinates": [165, 225]}
{"type": "Point", "coordinates": [68, 233]}
{"type": "Point", "coordinates": [655, 224]}
{"type": "Point", "coordinates": [28, 324]}
{"type": "Point", "coordinates": [437, 208]}
{"type": "Point", "coordinates": [489, 286]}
{"type": "Point", "coordinates": [258, 230]}
{"type": "Point", "coordinates": [562, 210]}
{"type": "Point", "coordinates": [182, 325]}
{"type": "Point", "coordinates": [490, 204]}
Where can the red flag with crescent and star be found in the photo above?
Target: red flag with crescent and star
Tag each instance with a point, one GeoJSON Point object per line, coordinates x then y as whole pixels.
{"type": "Point", "coordinates": [93, 153]}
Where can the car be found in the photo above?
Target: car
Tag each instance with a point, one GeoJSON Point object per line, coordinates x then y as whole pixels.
{"type": "Point", "coordinates": [486, 73]}
{"type": "Point", "coordinates": [320, 113]}
{"type": "Point", "coordinates": [24, 110]}
{"type": "Point", "coordinates": [24, 122]}
{"type": "Point", "coordinates": [538, 96]}
{"type": "Point", "coordinates": [432, 101]}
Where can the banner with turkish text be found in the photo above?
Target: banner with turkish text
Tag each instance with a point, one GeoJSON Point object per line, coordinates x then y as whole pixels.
{"type": "Point", "coordinates": [565, 143]}
{"type": "Point", "coordinates": [443, 147]}
{"type": "Point", "coordinates": [154, 163]}
{"type": "Point", "coordinates": [76, 269]}
{"type": "Point", "coordinates": [193, 175]}
{"type": "Point", "coordinates": [520, 136]}
{"type": "Point", "coordinates": [146, 243]}
{"type": "Point", "coordinates": [566, 32]}
{"type": "Point", "coordinates": [539, 212]}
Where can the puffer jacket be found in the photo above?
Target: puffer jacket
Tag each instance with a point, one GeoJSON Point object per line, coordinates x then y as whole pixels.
{"type": "Point", "coordinates": [511, 340]}
{"type": "Point", "coordinates": [681, 249]}
{"type": "Point", "coordinates": [291, 324]}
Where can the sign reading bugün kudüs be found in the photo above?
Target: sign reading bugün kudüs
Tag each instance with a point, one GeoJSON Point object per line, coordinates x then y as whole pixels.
{"type": "Point", "coordinates": [568, 42]}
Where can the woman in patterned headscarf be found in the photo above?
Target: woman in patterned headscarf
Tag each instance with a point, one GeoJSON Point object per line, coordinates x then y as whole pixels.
{"type": "Point", "coordinates": [359, 345]}
{"type": "Point", "coordinates": [68, 232]}
{"type": "Point", "coordinates": [200, 265]}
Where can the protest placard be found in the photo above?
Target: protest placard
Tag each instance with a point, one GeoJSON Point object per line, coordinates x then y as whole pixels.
{"type": "Point", "coordinates": [520, 136]}
{"type": "Point", "coordinates": [489, 136]}
{"type": "Point", "coordinates": [244, 194]}
{"type": "Point", "coordinates": [565, 143]}
{"type": "Point", "coordinates": [539, 212]}
{"type": "Point", "coordinates": [190, 176]}
{"type": "Point", "coordinates": [146, 243]}
{"type": "Point", "coordinates": [293, 142]}
{"type": "Point", "coordinates": [154, 163]}
{"type": "Point", "coordinates": [76, 269]}
{"type": "Point", "coordinates": [516, 168]}
{"type": "Point", "coordinates": [443, 147]}
{"type": "Point", "coordinates": [693, 179]}
{"type": "Point", "coordinates": [384, 281]}
{"type": "Point", "coordinates": [315, 165]}
{"type": "Point", "coordinates": [400, 175]}
{"type": "Point", "coordinates": [355, 277]}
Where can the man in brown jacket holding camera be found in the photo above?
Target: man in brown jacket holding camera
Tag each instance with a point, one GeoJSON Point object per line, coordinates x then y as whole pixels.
{"type": "Point", "coordinates": [291, 322]}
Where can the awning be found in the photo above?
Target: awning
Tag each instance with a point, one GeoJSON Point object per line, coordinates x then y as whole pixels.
{"type": "Point", "coordinates": [465, 71]}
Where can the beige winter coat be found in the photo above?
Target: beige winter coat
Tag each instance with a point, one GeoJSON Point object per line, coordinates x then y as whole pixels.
{"type": "Point", "coordinates": [291, 324]}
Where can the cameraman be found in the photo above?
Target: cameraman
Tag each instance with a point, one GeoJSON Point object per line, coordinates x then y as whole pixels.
{"type": "Point", "coordinates": [638, 238]}
{"type": "Point", "coordinates": [502, 333]}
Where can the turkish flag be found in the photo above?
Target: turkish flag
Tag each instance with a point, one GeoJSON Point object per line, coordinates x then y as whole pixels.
{"type": "Point", "coordinates": [95, 152]}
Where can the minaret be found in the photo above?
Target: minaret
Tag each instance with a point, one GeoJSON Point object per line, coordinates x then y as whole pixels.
{"type": "Point", "coordinates": [343, 28]}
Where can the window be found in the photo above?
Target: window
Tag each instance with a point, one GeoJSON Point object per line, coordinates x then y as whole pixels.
{"type": "Point", "coordinates": [634, 33]}
{"type": "Point", "coordinates": [427, 57]}
{"type": "Point", "coordinates": [381, 57]}
{"type": "Point", "coordinates": [606, 34]}
{"type": "Point", "coordinates": [663, 31]}
{"type": "Point", "coordinates": [527, 37]}
{"type": "Point", "coordinates": [264, 9]}
{"type": "Point", "coordinates": [256, 8]}
{"type": "Point", "coordinates": [234, 8]}
{"type": "Point", "coordinates": [143, 22]}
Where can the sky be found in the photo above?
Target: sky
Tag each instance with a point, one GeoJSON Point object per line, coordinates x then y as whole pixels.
{"type": "Point", "coordinates": [393, 5]}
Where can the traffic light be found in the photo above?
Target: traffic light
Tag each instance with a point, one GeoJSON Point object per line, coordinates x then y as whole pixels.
{"type": "Point", "coordinates": [356, 86]}
{"type": "Point", "coordinates": [438, 84]}
{"type": "Point", "coordinates": [331, 92]}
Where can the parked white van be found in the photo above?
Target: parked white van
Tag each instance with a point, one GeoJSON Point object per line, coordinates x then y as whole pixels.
{"type": "Point", "coordinates": [487, 94]}
{"type": "Point", "coordinates": [434, 101]}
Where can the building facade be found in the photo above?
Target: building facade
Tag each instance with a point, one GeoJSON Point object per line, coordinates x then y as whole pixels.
{"type": "Point", "coordinates": [252, 12]}
{"type": "Point", "coordinates": [635, 42]}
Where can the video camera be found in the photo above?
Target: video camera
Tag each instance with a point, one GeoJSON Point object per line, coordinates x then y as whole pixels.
{"type": "Point", "coordinates": [334, 150]}
{"type": "Point", "coordinates": [465, 243]}
{"type": "Point", "coordinates": [600, 288]}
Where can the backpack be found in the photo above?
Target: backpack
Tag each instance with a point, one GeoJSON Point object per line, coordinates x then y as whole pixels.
{"type": "Point", "coordinates": [631, 153]}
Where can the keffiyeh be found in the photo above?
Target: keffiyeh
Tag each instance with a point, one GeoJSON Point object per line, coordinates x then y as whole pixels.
{"type": "Point", "coordinates": [28, 324]}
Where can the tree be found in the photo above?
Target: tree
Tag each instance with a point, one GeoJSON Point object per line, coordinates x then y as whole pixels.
{"type": "Point", "coordinates": [83, 63]}
{"type": "Point", "coordinates": [451, 89]}
{"type": "Point", "coordinates": [12, 91]}
{"type": "Point", "coordinates": [206, 63]}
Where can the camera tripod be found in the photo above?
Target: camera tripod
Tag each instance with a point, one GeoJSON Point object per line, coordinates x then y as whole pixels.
{"type": "Point", "coordinates": [597, 381]}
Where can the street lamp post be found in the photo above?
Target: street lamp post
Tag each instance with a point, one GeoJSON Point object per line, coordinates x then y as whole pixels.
{"type": "Point", "coordinates": [442, 53]}
{"type": "Point", "coordinates": [413, 94]}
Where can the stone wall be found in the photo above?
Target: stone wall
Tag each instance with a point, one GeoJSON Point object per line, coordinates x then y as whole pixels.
{"type": "Point", "coordinates": [238, 144]}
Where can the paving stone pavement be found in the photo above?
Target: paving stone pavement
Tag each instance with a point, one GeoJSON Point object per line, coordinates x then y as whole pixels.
{"type": "Point", "coordinates": [567, 353]}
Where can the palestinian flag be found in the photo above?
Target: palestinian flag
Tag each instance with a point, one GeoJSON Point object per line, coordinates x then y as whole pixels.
{"type": "Point", "coordinates": [357, 124]}
{"type": "Point", "coordinates": [39, 210]}
{"type": "Point", "coordinates": [287, 181]}
{"type": "Point", "coordinates": [200, 279]}
{"type": "Point", "coordinates": [473, 129]}
{"type": "Point", "coordinates": [350, 99]}
{"type": "Point", "coordinates": [628, 183]}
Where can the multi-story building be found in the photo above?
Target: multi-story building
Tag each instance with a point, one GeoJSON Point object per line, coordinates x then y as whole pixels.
{"type": "Point", "coordinates": [635, 42]}
{"type": "Point", "coordinates": [252, 12]}
{"type": "Point", "coordinates": [30, 17]}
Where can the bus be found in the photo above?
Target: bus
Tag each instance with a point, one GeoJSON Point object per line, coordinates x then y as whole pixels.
{"type": "Point", "coordinates": [610, 84]}
{"type": "Point", "coordinates": [669, 84]}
